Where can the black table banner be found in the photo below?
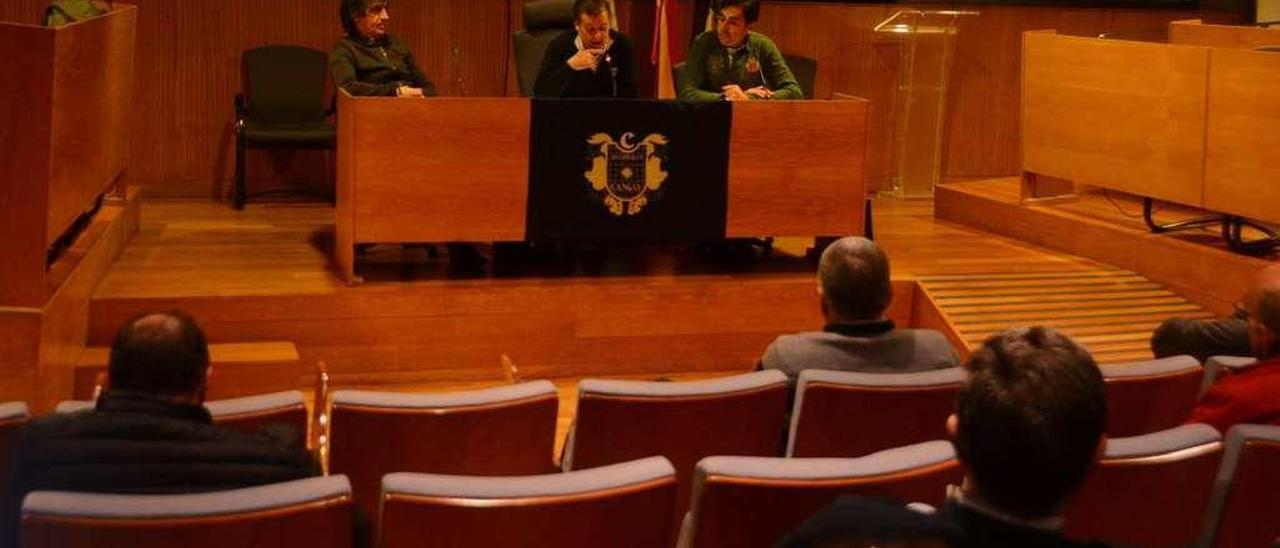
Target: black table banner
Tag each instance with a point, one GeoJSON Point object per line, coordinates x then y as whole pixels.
{"type": "Point", "coordinates": [604, 169]}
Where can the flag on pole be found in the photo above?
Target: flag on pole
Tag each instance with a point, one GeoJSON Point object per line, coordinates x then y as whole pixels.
{"type": "Point", "coordinates": [660, 56]}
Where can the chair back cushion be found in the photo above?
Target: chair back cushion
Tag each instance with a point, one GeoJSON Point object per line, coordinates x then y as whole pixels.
{"type": "Point", "coordinates": [313, 512]}
{"type": "Point", "coordinates": [1247, 493]}
{"type": "Point", "coordinates": [496, 432]}
{"type": "Point", "coordinates": [1149, 490]}
{"type": "Point", "coordinates": [754, 501]}
{"type": "Point", "coordinates": [12, 416]}
{"type": "Point", "coordinates": [543, 21]}
{"type": "Point", "coordinates": [251, 413]}
{"type": "Point", "coordinates": [805, 70]}
{"type": "Point", "coordinates": [618, 421]}
{"type": "Point", "coordinates": [624, 505]}
{"type": "Point", "coordinates": [285, 85]}
{"type": "Point", "coordinates": [1146, 397]}
{"type": "Point", "coordinates": [847, 414]}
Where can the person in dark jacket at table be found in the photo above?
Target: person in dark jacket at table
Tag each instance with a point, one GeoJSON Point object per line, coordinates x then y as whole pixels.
{"type": "Point", "coordinates": [371, 62]}
{"type": "Point", "coordinates": [149, 432]}
{"type": "Point", "coordinates": [590, 61]}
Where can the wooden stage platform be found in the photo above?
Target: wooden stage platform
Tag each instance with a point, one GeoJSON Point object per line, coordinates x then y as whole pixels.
{"type": "Point", "coordinates": [265, 274]}
{"type": "Point", "coordinates": [1107, 226]}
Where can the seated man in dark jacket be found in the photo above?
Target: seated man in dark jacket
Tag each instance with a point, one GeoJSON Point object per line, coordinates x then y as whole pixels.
{"type": "Point", "coordinates": [854, 291]}
{"type": "Point", "coordinates": [150, 432]}
{"type": "Point", "coordinates": [590, 61]}
{"type": "Point", "coordinates": [369, 61]}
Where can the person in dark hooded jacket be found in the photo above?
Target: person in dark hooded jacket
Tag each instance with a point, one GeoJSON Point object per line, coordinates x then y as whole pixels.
{"type": "Point", "coordinates": [369, 61]}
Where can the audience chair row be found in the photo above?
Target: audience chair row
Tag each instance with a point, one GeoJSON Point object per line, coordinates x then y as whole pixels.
{"type": "Point", "coordinates": [1161, 489]}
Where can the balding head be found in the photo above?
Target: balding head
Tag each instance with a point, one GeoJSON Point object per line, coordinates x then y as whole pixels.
{"type": "Point", "coordinates": [160, 354]}
{"type": "Point", "coordinates": [1263, 303]}
{"type": "Point", "coordinates": [853, 276]}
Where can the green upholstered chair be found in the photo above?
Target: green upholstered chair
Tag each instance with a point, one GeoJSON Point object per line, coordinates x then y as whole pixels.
{"type": "Point", "coordinates": [282, 106]}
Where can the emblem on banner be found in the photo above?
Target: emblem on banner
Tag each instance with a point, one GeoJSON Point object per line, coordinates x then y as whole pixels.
{"type": "Point", "coordinates": [623, 173]}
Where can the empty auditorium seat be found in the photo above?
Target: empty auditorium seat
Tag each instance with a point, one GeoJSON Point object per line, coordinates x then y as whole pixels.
{"type": "Point", "coordinates": [618, 421]}
{"type": "Point", "coordinates": [313, 512]}
{"type": "Point", "coordinates": [754, 501]}
{"type": "Point", "coordinates": [504, 431]}
{"type": "Point", "coordinates": [1145, 397]}
{"type": "Point", "coordinates": [12, 416]}
{"type": "Point", "coordinates": [1216, 366]}
{"type": "Point", "coordinates": [253, 412]}
{"type": "Point", "coordinates": [620, 506]}
{"type": "Point", "coordinates": [847, 414]}
{"type": "Point", "coordinates": [1149, 490]}
{"type": "Point", "coordinates": [246, 414]}
{"type": "Point", "coordinates": [1242, 510]}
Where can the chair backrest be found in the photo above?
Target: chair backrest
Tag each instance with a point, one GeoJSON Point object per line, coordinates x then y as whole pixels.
{"type": "Point", "coordinates": [754, 501]}
{"type": "Point", "coordinates": [313, 512]}
{"type": "Point", "coordinates": [543, 21]}
{"type": "Point", "coordinates": [624, 505]}
{"type": "Point", "coordinates": [250, 413]}
{"type": "Point", "coordinates": [847, 414]}
{"type": "Point", "coordinates": [247, 414]}
{"type": "Point", "coordinates": [1242, 510]}
{"type": "Point", "coordinates": [285, 84]}
{"type": "Point", "coordinates": [1217, 366]}
{"type": "Point", "coordinates": [618, 421]}
{"type": "Point", "coordinates": [1145, 397]}
{"type": "Point", "coordinates": [503, 431]}
{"type": "Point", "coordinates": [1149, 490]}
{"type": "Point", "coordinates": [805, 70]}
{"type": "Point", "coordinates": [12, 416]}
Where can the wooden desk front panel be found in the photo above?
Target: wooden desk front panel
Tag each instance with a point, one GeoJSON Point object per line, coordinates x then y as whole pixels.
{"type": "Point", "coordinates": [440, 170]}
{"type": "Point", "coordinates": [1195, 33]}
{"type": "Point", "coordinates": [457, 169]}
{"type": "Point", "coordinates": [797, 168]}
{"type": "Point", "coordinates": [1123, 115]}
{"type": "Point", "coordinates": [1242, 167]}
{"type": "Point", "coordinates": [92, 98]}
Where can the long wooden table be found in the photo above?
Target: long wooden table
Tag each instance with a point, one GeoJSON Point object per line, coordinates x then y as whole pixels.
{"type": "Point", "coordinates": [457, 170]}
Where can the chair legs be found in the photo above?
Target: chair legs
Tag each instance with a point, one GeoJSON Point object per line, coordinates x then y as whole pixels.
{"type": "Point", "coordinates": [239, 190]}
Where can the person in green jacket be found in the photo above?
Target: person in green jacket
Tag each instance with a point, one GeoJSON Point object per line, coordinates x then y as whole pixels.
{"type": "Point", "coordinates": [369, 61]}
{"type": "Point", "coordinates": [732, 63]}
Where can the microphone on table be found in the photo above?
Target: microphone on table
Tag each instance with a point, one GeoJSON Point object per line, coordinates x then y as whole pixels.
{"type": "Point", "coordinates": [613, 73]}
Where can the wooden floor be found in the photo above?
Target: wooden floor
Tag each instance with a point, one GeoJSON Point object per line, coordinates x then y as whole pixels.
{"type": "Point", "coordinates": [264, 274]}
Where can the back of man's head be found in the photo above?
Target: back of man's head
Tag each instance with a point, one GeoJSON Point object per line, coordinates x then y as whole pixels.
{"type": "Point", "coordinates": [1030, 417]}
{"type": "Point", "coordinates": [854, 276]}
{"type": "Point", "coordinates": [160, 354]}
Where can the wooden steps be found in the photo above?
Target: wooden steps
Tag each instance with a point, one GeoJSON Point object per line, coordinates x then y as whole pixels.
{"type": "Point", "coordinates": [238, 369]}
{"type": "Point", "coordinates": [1110, 311]}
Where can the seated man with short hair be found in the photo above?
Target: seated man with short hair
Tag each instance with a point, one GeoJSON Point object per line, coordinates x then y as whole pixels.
{"type": "Point", "coordinates": [1251, 395]}
{"type": "Point", "coordinates": [371, 62]}
{"type": "Point", "coordinates": [732, 63]}
{"type": "Point", "coordinates": [1029, 426]}
{"type": "Point", "coordinates": [854, 291]}
{"type": "Point", "coordinates": [149, 432]}
{"type": "Point", "coordinates": [590, 61]}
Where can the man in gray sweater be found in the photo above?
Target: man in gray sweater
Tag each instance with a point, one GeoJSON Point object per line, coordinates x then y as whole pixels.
{"type": "Point", "coordinates": [854, 289]}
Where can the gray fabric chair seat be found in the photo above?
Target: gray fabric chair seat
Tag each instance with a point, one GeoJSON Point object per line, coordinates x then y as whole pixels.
{"type": "Point", "coordinates": [217, 503]}
{"type": "Point", "coordinates": [1215, 366]}
{"type": "Point", "coordinates": [1188, 437]}
{"type": "Point", "coordinates": [13, 410]}
{"type": "Point", "coordinates": [734, 383]}
{"type": "Point", "coordinates": [503, 487]}
{"type": "Point", "coordinates": [1162, 366]}
{"type": "Point", "coordinates": [255, 404]}
{"type": "Point", "coordinates": [444, 399]}
{"type": "Point", "coordinates": [1248, 504]}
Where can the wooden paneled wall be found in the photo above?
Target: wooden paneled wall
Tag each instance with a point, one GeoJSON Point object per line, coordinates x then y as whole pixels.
{"type": "Point", "coordinates": [188, 69]}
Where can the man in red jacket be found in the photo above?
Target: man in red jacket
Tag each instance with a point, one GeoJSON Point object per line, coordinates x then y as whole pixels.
{"type": "Point", "coordinates": [1251, 395]}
